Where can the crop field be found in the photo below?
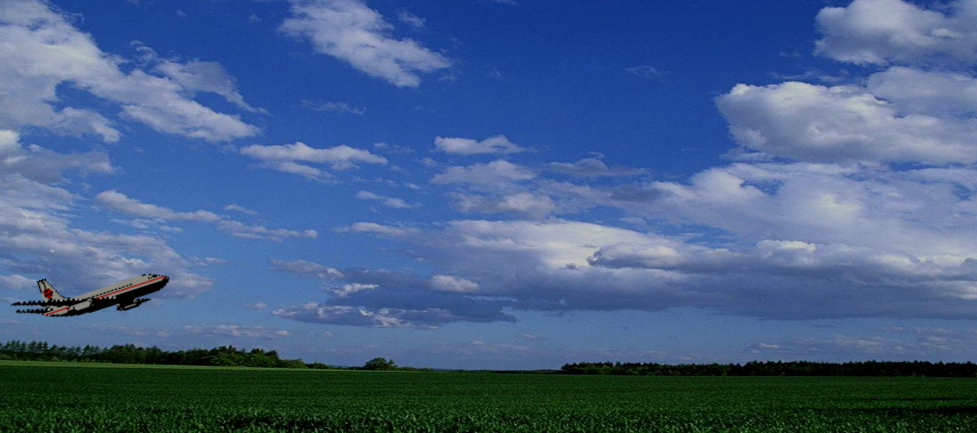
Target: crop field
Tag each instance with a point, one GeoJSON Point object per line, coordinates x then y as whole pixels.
{"type": "Point", "coordinates": [38, 397]}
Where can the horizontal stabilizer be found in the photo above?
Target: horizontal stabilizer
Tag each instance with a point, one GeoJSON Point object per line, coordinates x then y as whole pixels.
{"type": "Point", "coordinates": [36, 311]}
{"type": "Point", "coordinates": [48, 303]}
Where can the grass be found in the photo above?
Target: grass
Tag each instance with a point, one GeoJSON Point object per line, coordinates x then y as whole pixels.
{"type": "Point", "coordinates": [42, 397]}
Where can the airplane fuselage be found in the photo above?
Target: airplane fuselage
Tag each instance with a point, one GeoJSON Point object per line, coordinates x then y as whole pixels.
{"type": "Point", "coordinates": [122, 294]}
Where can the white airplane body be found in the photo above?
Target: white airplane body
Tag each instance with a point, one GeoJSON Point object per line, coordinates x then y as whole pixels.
{"type": "Point", "coordinates": [122, 294]}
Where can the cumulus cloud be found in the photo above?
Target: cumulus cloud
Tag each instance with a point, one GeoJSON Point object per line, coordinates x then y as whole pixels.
{"type": "Point", "coordinates": [842, 123]}
{"type": "Point", "coordinates": [352, 32]}
{"type": "Point", "coordinates": [570, 265]}
{"type": "Point", "coordinates": [825, 204]}
{"type": "Point", "coordinates": [498, 144]}
{"type": "Point", "coordinates": [43, 51]}
{"type": "Point", "coordinates": [895, 31]}
{"type": "Point", "coordinates": [288, 158]}
{"type": "Point", "coordinates": [42, 165]}
{"type": "Point", "coordinates": [382, 298]}
{"type": "Point", "coordinates": [37, 237]}
{"type": "Point", "coordinates": [941, 93]}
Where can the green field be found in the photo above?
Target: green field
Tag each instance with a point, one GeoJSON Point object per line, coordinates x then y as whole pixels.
{"type": "Point", "coordinates": [41, 397]}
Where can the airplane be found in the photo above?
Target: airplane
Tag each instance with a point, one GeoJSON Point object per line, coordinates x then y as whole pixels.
{"type": "Point", "coordinates": [123, 295]}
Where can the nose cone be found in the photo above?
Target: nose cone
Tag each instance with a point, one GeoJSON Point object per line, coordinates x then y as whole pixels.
{"type": "Point", "coordinates": [166, 280]}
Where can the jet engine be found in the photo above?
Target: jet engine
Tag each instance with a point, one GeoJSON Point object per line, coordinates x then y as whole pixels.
{"type": "Point", "coordinates": [134, 304]}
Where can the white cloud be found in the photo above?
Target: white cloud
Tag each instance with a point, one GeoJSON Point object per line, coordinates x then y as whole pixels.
{"type": "Point", "coordinates": [825, 204]}
{"type": "Point", "coordinates": [645, 71]}
{"type": "Point", "coordinates": [521, 203]}
{"type": "Point", "coordinates": [447, 283]}
{"type": "Point", "coordinates": [238, 208]}
{"type": "Point", "coordinates": [198, 76]}
{"type": "Point", "coordinates": [16, 282]}
{"type": "Point", "coordinates": [352, 32]}
{"type": "Point", "coordinates": [305, 268]}
{"type": "Point", "coordinates": [122, 203]}
{"type": "Point", "coordinates": [249, 231]}
{"type": "Point", "coordinates": [493, 174]}
{"type": "Point", "coordinates": [498, 144]}
{"type": "Point", "coordinates": [348, 289]}
{"type": "Point", "coordinates": [44, 51]}
{"type": "Point", "coordinates": [334, 107]}
{"type": "Point", "coordinates": [286, 158]}
{"type": "Point", "coordinates": [38, 239]}
{"type": "Point", "coordinates": [895, 31]}
{"type": "Point", "coordinates": [237, 331]}
{"type": "Point", "coordinates": [842, 123]}
{"type": "Point", "coordinates": [410, 19]}
{"type": "Point", "coordinates": [338, 157]}
{"type": "Point", "coordinates": [559, 264]}
{"type": "Point", "coordinates": [375, 228]}
{"type": "Point", "coordinates": [343, 315]}
{"type": "Point", "coordinates": [391, 202]}
{"type": "Point", "coordinates": [943, 94]}
{"type": "Point", "coordinates": [590, 168]}
{"type": "Point", "coordinates": [313, 312]}
{"type": "Point", "coordinates": [42, 165]}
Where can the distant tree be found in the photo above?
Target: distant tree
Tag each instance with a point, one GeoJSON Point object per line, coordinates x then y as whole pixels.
{"type": "Point", "coordinates": [380, 364]}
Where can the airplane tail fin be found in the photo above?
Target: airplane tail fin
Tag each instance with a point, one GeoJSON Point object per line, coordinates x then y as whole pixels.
{"type": "Point", "coordinates": [48, 292]}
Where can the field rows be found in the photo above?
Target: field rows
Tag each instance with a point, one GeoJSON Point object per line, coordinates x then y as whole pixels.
{"type": "Point", "coordinates": [39, 398]}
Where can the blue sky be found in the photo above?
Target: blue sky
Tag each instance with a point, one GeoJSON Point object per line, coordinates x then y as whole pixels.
{"type": "Point", "coordinates": [497, 184]}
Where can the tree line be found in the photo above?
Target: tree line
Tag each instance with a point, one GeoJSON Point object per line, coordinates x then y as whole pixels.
{"type": "Point", "coordinates": [232, 356]}
{"type": "Point", "coordinates": [778, 368]}
{"type": "Point", "coordinates": [225, 356]}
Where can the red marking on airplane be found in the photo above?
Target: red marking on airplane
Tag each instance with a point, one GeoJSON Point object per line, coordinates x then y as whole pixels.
{"type": "Point", "coordinates": [55, 311]}
{"type": "Point", "coordinates": [48, 293]}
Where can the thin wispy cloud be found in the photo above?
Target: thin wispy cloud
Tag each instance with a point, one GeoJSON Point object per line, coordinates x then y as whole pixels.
{"type": "Point", "coordinates": [351, 31]}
